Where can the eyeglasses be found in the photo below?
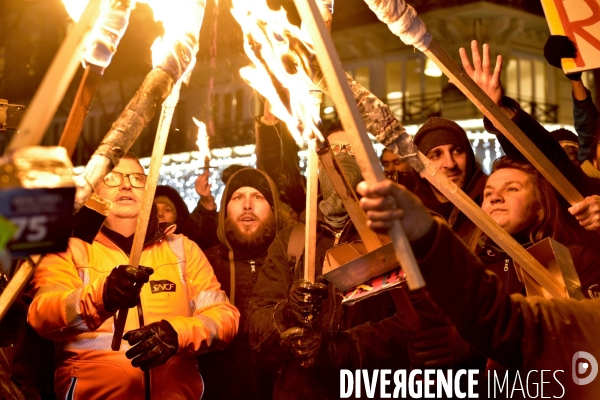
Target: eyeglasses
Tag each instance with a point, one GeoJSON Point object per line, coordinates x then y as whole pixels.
{"type": "Point", "coordinates": [337, 148]}
{"type": "Point", "coordinates": [136, 179]}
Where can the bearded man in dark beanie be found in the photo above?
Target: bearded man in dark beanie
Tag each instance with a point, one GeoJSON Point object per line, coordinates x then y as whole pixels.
{"type": "Point", "coordinates": [446, 145]}
{"type": "Point", "coordinates": [248, 220]}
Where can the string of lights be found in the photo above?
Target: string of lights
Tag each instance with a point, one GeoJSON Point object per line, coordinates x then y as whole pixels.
{"type": "Point", "coordinates": [180, 170]}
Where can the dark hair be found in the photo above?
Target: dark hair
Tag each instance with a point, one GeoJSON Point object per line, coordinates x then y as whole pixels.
{"type": "Point", "coordinates": [130, 156]}
{"type": "Point", "coordinates": [333, 128]}
{"type": "Point", "coordinates": [549, 222]}
{"type": "Point", "coordinates": [382, 153]}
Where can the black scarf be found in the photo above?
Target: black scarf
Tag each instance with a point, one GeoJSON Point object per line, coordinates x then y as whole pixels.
{"type": "Point", "coordinates": [153, 234]}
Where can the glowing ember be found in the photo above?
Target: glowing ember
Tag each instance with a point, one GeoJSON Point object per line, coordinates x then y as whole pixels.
{"type": "Point", "coordinates": [202, 141]}
{"type": "Point", "coordinates": [281, 65]}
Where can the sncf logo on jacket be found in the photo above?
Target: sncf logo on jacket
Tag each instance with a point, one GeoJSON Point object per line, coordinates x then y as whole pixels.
{"type": "Point", "coordinates": [162, 286]}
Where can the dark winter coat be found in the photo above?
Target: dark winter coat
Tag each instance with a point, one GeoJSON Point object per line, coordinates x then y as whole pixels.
{"type": "Point", "coordinates": [528, 334]}
{"type": "Point", "coordinates": [234, 373]}
{"type": "Point", "coordinates": [359, 346]}
{"type": "Point", "coordinates": [201, 227]}
{"type": "Point", "coordinates": [459, 222]}
{"type": "Point", "coordinates": [496, 260]}
{"type": "Point", "coordinates": [280, 162]}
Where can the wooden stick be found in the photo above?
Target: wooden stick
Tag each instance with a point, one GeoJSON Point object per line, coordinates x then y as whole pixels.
{"type": "Point", "coordinates": [310, 236]}
{"type": "Point", "coordinates": [348, 197]}
{"type": "Point", "coordinates": [501, 121]}
{"type": "Point", "coordinates": [18, 281]}
{"type": "Point", "coordinates": [151, 182]}
{"type": "Point", "coordinates": [354, 127]}
{"type": "Point", "coordinates": [81, 105]}
{"type": "Point", "coordinates": [46, 100]}
{"type": "Point", "coordinates": [312, 194]}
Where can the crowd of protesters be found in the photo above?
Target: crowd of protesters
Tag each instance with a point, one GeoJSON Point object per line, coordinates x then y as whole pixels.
{"type": "Point", "coordinates": [220, 309]}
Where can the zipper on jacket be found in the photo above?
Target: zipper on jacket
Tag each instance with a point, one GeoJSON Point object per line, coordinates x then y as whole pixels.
{"type": "Point", "coordinates": [506, 262]}
{"type": "Point", "coordinates": [337, 236]}
{"type": "Point", "coordinates": [253, 269]}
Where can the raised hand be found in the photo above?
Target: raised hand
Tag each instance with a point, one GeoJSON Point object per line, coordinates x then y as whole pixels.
{"type": "Point", "coordinates": [202, 187]}
{"type": "Point", "coordinates": [480, 71]}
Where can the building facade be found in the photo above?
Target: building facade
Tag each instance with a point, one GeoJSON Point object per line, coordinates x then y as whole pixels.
{"type": "Point", "coordinates": [405, 79]}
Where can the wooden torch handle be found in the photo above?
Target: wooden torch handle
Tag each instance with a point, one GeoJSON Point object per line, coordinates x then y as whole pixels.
{"type": "Point", "coordinates": [354, 127]}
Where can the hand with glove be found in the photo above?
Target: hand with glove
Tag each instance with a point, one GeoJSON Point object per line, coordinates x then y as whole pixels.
{"type": "Point", "coordinates": [312, 348]}
{"type": "Point", "coordinates": [558, 47]}
{"type": "Point", "coordinates": [153, 345]}
{"type": "Point", "coordinates": [303, 303]}
{"type": "Point", "coordinates": [123, 286]}
{"type": "Point", "coordinates": [306, 344]}
{"type": "Point", "coordinates": [436, 347]}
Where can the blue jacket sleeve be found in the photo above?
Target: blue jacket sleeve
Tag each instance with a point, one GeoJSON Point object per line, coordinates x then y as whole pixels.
{"type": "Point", "coordinates": [587, 126]}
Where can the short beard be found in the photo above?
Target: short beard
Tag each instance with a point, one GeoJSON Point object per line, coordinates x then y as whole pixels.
{"type": "Point", "coordinates": [250, 244]}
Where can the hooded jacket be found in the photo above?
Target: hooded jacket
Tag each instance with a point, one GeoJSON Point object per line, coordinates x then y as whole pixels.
{"type": "Point", "coordinates": [238, 274]}
{"type": "Point", "coordinates": [68, 308]}
{"type": "Point", "coordinates": [182, 210]}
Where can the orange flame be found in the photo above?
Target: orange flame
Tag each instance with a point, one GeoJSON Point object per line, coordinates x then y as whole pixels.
{"type": "Point", "coordinates": [181, 21]}
{"type": "Point", "coordinates": [270, 40]}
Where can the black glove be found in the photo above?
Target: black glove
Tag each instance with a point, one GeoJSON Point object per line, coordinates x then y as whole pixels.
{"type": "Point", "coordinates": [153, 345]}
{"type": "Point", "coordinates": [304, 302]}
{"type": "Point", "coordinates": [123, 286]}
{"type": "Point", "coordinates": [307, 345]}
{"type": "Point", "coordinates": [558, 47]}
{"type": "Point", "coordinates": [312, 348]}
{"type": "Point", "coordinates": [436, 347]}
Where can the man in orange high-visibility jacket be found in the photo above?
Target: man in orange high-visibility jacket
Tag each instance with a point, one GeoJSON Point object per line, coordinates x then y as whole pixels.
{"type": "Point", "coordinates": [185, 312]}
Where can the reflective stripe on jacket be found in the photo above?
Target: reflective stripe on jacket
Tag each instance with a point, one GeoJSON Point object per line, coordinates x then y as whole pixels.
{"type": "Point", "coordinates": [68, 308]}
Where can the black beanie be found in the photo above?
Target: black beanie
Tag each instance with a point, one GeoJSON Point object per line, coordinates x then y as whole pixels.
{"type": "Point", "coordinates": [252, 178]}
{"type": "Point", "coordinates": [440, 131]}
{"type": "Point", "coordinates": [563, 135]}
